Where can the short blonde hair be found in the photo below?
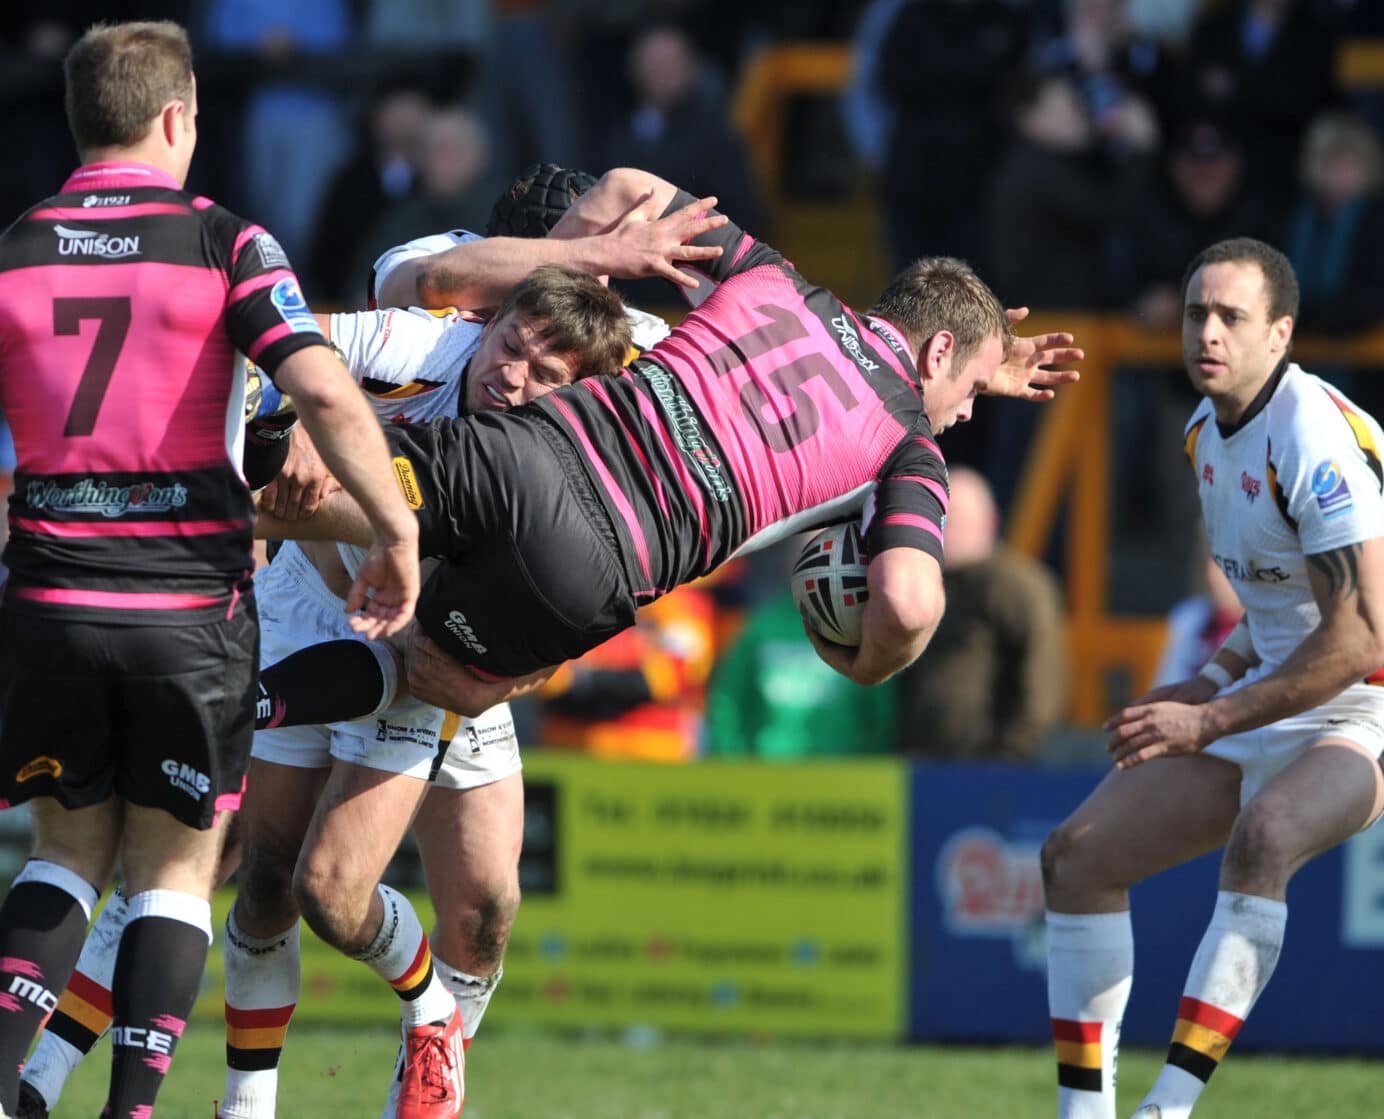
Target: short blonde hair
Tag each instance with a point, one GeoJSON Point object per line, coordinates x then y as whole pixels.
{"type": "Point", "coordinates": [119, 76]}
{"type": "Point", "coordinates": [942, 293]}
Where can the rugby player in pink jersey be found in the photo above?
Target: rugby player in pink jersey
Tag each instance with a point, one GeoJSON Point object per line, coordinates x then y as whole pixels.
{"type": "Point", "coordinates": [770, 409]}
{"type": "Point", "coordinates": [128, 629]}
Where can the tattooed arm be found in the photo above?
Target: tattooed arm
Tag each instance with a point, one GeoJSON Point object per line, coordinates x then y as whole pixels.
{"type": "Point", "coordinates": [1345, 647]}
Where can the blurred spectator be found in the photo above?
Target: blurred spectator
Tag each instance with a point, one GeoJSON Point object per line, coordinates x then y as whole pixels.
{"type": "Point", "coordinates": [1057, 202]}
{"type": "Point", "coordinates": [869, 119]}
{"type": "Point", "coordinates": [382, 172]}
{"type": "Point", "coordinates": [1197, 626]}
{"type": "Point", "coordinates": [1167, 21]}
{"type": "Point", "coordinates": [428, 25]}
{"type": "Point", "coordinates": [1267, 65]}
{"type": "Point", "coordinates": [1202, 199]}
{"type": "Point", "coordinates": [939, 71]}
{"type": "Point", "coordinates": [294, 136]}
{"type": "Point", "coordinates": [641, 694]}
{"type": "Point", "coordinates": [36, 39]}
{"type": "Point", "coordinates": [679, 128]}
{"type": "Point", "coordinates": [457, 185]}
{"type": "Point", "coordinates": [993, 681]}
{"type": "Point", "coordinates": [530, 108]}
{"type": "Point", "coordinates": [771, 696]}
{"type": "Point", "coordinates": [1108, 62]}
{"type": "Point", "coordinates": [1335, 231]}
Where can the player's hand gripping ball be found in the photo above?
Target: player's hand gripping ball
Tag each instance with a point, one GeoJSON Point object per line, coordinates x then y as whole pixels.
{"type": "Point", "coordinates": [829, 583]}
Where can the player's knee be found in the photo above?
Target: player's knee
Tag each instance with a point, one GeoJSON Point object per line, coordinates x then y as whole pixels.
{"type": "Point", "coordinates": [332, 907]}
{"type": "Point", "coordinates": [484, 926]}
{"type": "Point", "coordinates": [1057, 857]}
{"type": "Point", "coordinates": [1260, 848]}
{"type": "Point", "coordinates": [265, 879]}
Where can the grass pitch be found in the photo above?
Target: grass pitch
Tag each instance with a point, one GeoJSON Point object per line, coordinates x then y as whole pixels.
{"type": "Point", "coordinates": [342, 1073]}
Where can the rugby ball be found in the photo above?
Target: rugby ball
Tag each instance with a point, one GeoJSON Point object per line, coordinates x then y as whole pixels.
{"type": "Point", "coordinates": [829, 583]}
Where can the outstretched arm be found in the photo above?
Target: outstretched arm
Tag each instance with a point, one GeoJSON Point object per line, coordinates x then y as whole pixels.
{"type": "Point", "coordinates": [478, 274]}
{"type": "Point", "coordinates": [1025, 374]}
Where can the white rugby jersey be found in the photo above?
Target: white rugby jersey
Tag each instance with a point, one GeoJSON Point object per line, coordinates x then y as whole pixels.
{"type": "Point", "coordinates": [646, 329]}
{"type": "Point", "coordinates": [1299, 475]}
{"type": "Point", "coordinates": [410, 363]}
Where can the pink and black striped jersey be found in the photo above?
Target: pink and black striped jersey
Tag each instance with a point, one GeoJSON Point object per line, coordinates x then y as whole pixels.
{"type": "Point", "coordinates": [771, 409]}
{"type": "Point", "coordinates": [123, 301]}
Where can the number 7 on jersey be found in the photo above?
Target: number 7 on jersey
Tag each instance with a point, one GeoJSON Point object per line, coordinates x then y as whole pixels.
{"type": "Point", "coordinates": [113, 315]}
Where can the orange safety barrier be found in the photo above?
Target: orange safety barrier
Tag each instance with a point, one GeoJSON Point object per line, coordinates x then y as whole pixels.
{"type": "Point", "coordinates": [1070, 459]}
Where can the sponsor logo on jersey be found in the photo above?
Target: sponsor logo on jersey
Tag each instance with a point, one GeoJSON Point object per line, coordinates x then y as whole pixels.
{"type": "Point", "coordinates": [1329, 486]}
{"type": "Point", "coordinates": [888, 337]}
{"type": "Point", "coordinates": [271, 253]}
{"type": "Point", "coordinates": [686, 429]}
{"type": "Point", "coordinates": [105, 200]}
{"type": "Point", "coordinates": [93, 496]}
{"type": "Point", "coordinates": [41, 766]}
{"type": "Point", "coordinates": [87, 242]}
{"type": "Point", "coordinates": [850, 342]}
{"type": "Point", "coordinates": [287, 297]}
{"type": "Point", "coordinates": [186, 779]}
{"type": "Point", "coordinates": [460, 628]}
{"type": "Point", "coordinates": [1250, 487]}
{"type": "Point", "coordinates": [1208, 474]}
{"type": "Point", "coordinates": [408, 482]}
{"type": "Point", "coordinates": [1249, 571]}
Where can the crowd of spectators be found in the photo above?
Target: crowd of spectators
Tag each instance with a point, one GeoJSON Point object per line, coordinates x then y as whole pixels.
{"type": "Point", "coordinates": [1079, 151]}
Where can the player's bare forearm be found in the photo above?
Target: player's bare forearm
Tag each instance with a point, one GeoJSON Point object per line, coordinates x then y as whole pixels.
{"type": "Point", "coordinates": [348, 437]}
{"type": "Point", "coordinates": [1346, 646]}
{"type": "Point", "coordinates": [477, 275]}
{"type": "Point", "coordinates": [622, 194]}
{"type": "Point", "coordinates": [900, 616]}
{"type": "Point", "coordinates": [435, 677]}
{"type": "Point", "coordinates": [338, 517]}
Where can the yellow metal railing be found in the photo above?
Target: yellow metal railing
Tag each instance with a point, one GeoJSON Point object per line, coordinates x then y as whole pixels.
{"type": "Point", "coordinates": [1070, 462]}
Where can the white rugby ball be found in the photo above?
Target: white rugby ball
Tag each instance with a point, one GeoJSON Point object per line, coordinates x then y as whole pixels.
{"type": "Point", "coordinates": [829, 583]}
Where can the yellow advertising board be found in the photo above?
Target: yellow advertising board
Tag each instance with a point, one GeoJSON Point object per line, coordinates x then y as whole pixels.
{"type": "Point", "coordinates": [717, 897]}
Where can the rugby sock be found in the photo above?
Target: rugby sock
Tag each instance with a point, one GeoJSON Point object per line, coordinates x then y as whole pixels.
{"type": "Point", "coordinates": [1090, 971]}
{"type": "Point", "coordinates": [472, 994]}
{"type": "Point", "coordinates": [84, 1011]}
{"type": "Point", "coordinates": [401, 956]}
{"type": "Point", "coordinates": [42, 923]}
{"type": "Point", "coordinates": [327, 683]}
{"type": "Point", "coordinates": [157, 973]}
{"type": "Point", "coordinates": [1232, 966]}
{"type": "Point", "coordinates": [263, 977]}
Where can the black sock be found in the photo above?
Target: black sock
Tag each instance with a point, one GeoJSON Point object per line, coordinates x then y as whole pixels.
{"type": "Point", "coordinates": [326, 683]}
{"type": "Point", "coordinates": [42, 925]}
{"type": "Point", "coordinates": [157, 975]}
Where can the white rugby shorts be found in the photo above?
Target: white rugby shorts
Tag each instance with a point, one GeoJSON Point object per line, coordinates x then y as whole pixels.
{"type": "Point", "coordinates": [416, 739]}
{"type": "Point", "coordinates": [1357, 715]}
